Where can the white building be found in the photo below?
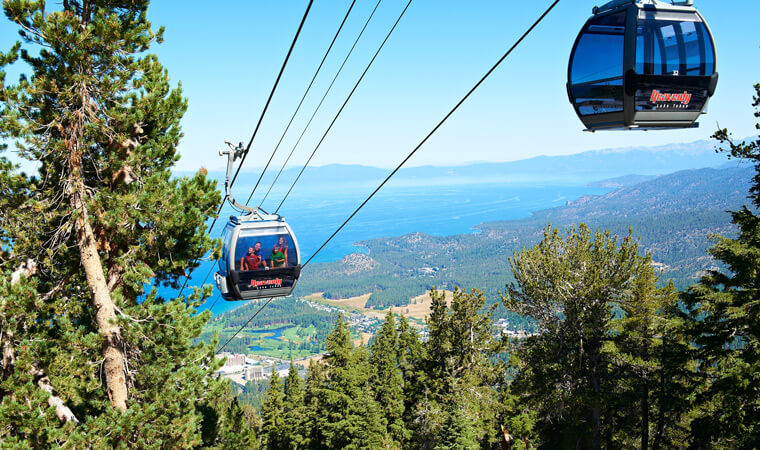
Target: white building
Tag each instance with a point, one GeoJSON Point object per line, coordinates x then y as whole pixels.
{"type": "Point", "coordinates": [253, 373]}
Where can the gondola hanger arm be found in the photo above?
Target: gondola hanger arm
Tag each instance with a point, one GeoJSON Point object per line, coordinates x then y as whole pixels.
{"type": "Point", "coordinates": [234, 153]}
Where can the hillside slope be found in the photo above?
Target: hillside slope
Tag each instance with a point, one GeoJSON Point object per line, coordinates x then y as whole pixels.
{"type": "Point", "coordinates": [672, 214]}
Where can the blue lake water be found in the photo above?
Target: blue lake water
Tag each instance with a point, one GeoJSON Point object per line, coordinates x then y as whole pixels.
{"type": "Point", "coordinates": [314, 212]}
{"type": "Point", "coordinates": [277, 332]}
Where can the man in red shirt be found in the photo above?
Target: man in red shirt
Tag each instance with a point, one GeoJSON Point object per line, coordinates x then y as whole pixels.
{"type": "Point", "coordinates": [253, 260]}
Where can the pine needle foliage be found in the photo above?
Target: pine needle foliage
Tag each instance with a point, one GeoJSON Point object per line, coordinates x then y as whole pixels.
{"type": "Point", "coordinates": [272, 414]}
{"type": "Point", "coordinates": [92, 356]}
{"type": "Point", "coordinates": [387, 379]}
{"type": "Point", "coordinates": [725, 319]}
{"type": "Point", "coordinates": [588, 373]}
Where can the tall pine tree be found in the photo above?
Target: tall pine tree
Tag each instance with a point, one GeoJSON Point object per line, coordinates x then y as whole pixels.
{"type": "Point", "coordinates": [108, 362]}
{"type": "Point", "coordinates": [642, 379]}
{"type": "Point", "coordinates": [725, 309]}
{"type": "Point", "coordinates": [295, 409]}
{"type": "Point", "coordinates": [387, 379]}
{"type": "Point", "coordinates": [349, 417]}
{"type": "Point", "coordinates": [568, 285]}
{"type": "Point", "coordinates": [273, 415]}
{"type": "Point", "coordinates": [462, 370]}
{"type": "Point", "coordinates": [411, 360]}
{"type": "Point", "coordinates": [314, 399]}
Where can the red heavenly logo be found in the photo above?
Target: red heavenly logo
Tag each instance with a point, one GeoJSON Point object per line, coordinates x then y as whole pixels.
{"type": "Point", "coordinates": [658, 96]}
{"type": "Point", "coordinates": [277, 282]}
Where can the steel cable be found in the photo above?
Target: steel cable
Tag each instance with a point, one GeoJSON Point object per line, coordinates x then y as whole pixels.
{"type": "Point", "coordinates": [245, 324]}
{"type": "Point", "coordinates": [343, 106]}
{"type": "Point", "coordinates": [298, 108]}
{"type": "Point", "coordinates": [316, 110]}
{"type": "Point", "coordinates": [445, 118]}
{"type": "Point", "coordinates": [271, 94]}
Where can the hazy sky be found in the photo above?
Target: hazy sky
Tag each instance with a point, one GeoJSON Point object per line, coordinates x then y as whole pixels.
{"type": "Point", "coordinates": [227, 54]}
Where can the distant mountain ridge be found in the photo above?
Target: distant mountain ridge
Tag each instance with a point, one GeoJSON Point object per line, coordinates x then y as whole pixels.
{"type": "Point", "coordinates": [583, 167]}
{"type": "Point", "coordinates": [618, 182]}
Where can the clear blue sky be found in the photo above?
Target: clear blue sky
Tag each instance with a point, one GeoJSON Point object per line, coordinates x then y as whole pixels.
{"type": "Point", "coordinates": [227, 55]}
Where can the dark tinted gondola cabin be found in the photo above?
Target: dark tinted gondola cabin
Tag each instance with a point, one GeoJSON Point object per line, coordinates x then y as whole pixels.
{"type": "Point", "coordinates": [260, 258]}
{"type": "Point", "coordinates": [642, 65]}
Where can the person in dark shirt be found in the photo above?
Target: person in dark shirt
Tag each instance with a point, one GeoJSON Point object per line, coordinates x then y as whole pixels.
{"type": "Point", "coordinates": [253, 260]}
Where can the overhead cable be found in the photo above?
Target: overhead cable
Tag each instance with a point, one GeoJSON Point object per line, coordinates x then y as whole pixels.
{"type": "Point", "coordinates": [343, 106]}
{"type": "Point", "coordinates": [211, 308]}
{"type": "Point", "coordinates": [245, 324]}
{"type": "Point", "coordinates": [298, 108]}
{"type": "Point", "coordinates": [316, 110]}
{"type": "Point", "coordinates": [445, 118]}
{"type": "Point", "coordinates": [274, 88]}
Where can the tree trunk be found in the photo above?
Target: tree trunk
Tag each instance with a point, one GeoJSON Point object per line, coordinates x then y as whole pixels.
{"type": "Point", "coordinates": [105, 311]}
{"type": "Point", "coordinates": [62, 411]}
{"type": "Point", "coordinates": [506, 443]}
{"type": "Point", "coordinates": [645, 403]}
{"type": "Point", "coordinates": [661, 402]}
{"type": "Point", "coordinates": [645, 415]}
{"type": "Point", "coordinates": [114, 360]}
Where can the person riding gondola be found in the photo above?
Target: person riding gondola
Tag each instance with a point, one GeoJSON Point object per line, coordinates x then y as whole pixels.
{"type": "Point", "coordinates": [241, 278]}
{"type": "Point", "coordinates": [247, 270]}
{"type": "Point", "coordinates": [252, 260]}
{"type": "Point", "coordinates": [279, 256]}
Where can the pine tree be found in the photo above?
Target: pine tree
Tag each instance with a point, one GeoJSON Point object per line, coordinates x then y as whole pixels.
{"type": "Point", "coordinates": [674, 380]}
{"type": "Point", "coordinates": [272, 414]}
{"type": "Point", "coordinates": [102, 218]}
{"type": "Point", "coordinates": [641, 377]}
{"type": "Point", "coordinates": [314, 401]}
{"type": "Point", "coordinates": [387, 379]}
{"type": "Point", "coordinates": [461, 366]}
{"type": "Point", "coordinates": [568, 285]}
{"type": "Point", "coordinates": [295, 409]}
{"type": "Point", "coordinates": [411, 360]}
{"type": "Point", "coordinates": [410, 354]}
{"type": "Point", "coordinates": [725, 308]}
{"type": "Point", "coordinates": [518, 418]}
{"type": "Point", "coordinates": [350, 416]}
{"type": "Point", "coordinates": [458, 431]}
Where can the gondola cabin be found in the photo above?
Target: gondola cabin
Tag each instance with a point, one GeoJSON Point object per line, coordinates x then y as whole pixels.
{"type": "Point", "coordinates": [260, 258]}
{"type": "Point", "coordinates": [642, 64]}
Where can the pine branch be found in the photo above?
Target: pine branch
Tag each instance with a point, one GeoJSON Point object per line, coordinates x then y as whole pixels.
{"type": "Point", "coordinates": [62, 411]}
{"type": "Point", "coordinates": [27, 269]}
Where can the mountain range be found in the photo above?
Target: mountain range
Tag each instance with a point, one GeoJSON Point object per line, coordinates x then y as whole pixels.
{"type": "Point", "coordinates": [583, 167]}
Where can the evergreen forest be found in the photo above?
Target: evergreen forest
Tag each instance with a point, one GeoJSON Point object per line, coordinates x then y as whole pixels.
{"type": "Point", "coordinates": [619, 355]}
